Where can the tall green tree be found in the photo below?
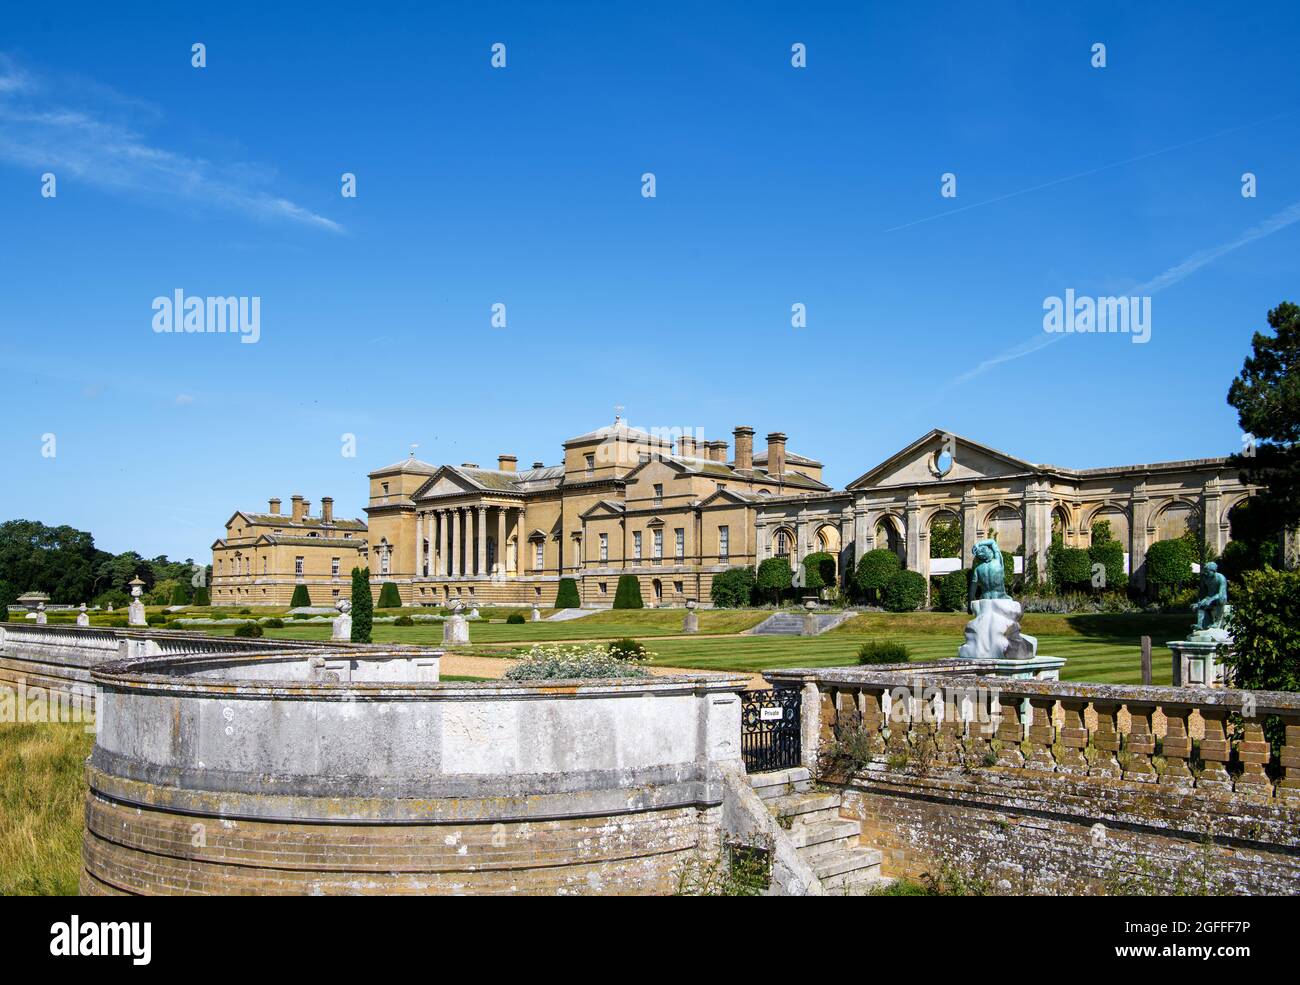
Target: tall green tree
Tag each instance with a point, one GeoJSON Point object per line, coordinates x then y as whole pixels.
{"type": "Point", "coordinates": [774, 576]}
{"type": "Point", "coordinates": [363, 605]}
{"type": "Point", "coordinates": [1266, 395]}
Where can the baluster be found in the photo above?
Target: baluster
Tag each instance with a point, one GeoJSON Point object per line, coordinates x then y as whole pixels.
{"type": "Point", "coordinates": [1042, 734]}
{"type": "Point", "coordinates": [950, 729]}
{"type": "Point", "coordinates": [1140, 745]}
{"type": "Point", "coordinates": [1009, 732]}
{"type": "Point", "coordinates": [1289, 787]}
{"type": "Point", "coordinates": [1177, 747]}
{"type": "Point", "coordinates": [826, 731]}
{"type": "Point", "coordinates": [899, 721]}
{"type": "Point", "coordinates": [1253, 751]}
{"type": "Point", "coordinates": [1216, 752]}
{"type": "Point", "coordinates": [1073, 737]}
{"type": "Point", "coordinates": [1105, 739]}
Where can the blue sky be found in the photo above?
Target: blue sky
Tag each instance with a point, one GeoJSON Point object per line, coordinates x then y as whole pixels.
{"type": "Point", "coordinates": [522, 186]}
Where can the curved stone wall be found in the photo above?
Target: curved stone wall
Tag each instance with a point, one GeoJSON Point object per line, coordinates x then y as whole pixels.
{"type": "Point", "coordinates": [247, 774]}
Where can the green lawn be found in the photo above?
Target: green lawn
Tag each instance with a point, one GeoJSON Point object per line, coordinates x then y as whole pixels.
{"type": "Point", "coordinates": [1100, 648]}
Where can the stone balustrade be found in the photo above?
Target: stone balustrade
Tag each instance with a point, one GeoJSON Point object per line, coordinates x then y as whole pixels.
{"type": "Point", "coordinates": [1082, 729]}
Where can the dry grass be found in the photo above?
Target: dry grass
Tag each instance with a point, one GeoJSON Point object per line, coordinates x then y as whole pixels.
{"type": "Point", "coordinates": [42, 800]}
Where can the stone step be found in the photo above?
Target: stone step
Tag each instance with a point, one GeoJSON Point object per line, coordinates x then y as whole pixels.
{"type": "Point", "coordinates": [841, 863]}
{"type": "Point", "coordinates": [780, 782]}
{"type": "Point", "coordinates": [806, 808]}
{"type": "Point", "coordinates": [843, 832]}
{"type": "Point", "coordinates": [859, 882]}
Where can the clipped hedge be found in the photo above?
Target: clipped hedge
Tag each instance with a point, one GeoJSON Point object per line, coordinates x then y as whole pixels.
{"type": "Point", "coordinates": [201, 597]}
{"type": "Point", "coordinates": [774, 576]}
{"type": "Point", "coordinates": [874, 571]}
{"type": "Point", "coordinates": [883, 652]}
{"type": "Point", "coordinates": [1110, 555]}
{"type": "Point", "coordinates": [403, 621]}
{"type": "Point", "coordinates": [567, 595]}
{"type": "Point", "coordinates": [389, 597]}
{"type": "Point", "coordinates": [733, 588]}
{"type": "Point", "coordinates": [904, 592]}
{"type": "Point", "coordinates": [954, 589]}
{"type": "Point", "coordinates": [819, 569]}
{"type": "Point", "coordinates": [515, 619]}
{"type": "Point", "coordinates": [300, 598]}
{"type": "Point", "coordinates": [249, 630]}
{"type": "Point", "coordinates": [1071, 568]}
{"type": "Point", "coordinates": [1168, 567]}
{"type": "Point", "coordinates": [628, 593]}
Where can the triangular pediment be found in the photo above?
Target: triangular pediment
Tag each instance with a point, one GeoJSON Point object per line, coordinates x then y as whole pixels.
{"type": "Point", "coordinates": [604, 507]}
{"type": "Point", "coordinates": [725, 496]}
{"type": "Point", "coordinates": [924, 461]}
{"type": "Point", "coordinates": [447, 481]}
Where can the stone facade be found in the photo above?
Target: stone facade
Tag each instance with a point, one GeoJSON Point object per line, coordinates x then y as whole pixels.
{"type": "Point", "coordinates": [943, 476]}
{"type": "Point", "coordinates": [623, 501]}
{"type": "Point", "coordinates": [264, 556]}
{"type": "Point", "coordinates": [675, 511]}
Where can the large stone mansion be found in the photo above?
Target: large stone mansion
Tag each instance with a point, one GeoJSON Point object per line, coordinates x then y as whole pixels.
{"type": "Point", "coordinates": [676, 512]}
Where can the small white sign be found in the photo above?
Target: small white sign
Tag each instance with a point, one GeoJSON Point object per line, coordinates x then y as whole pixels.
{"type": "Point", "coordinates": [771, 714]}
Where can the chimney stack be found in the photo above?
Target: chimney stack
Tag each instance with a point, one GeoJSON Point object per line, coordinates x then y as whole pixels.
{"type": "Point", "coordinates": [506, 463]}
{"type": "Point", "coordinates": [717, 451]}
{"type": "Point", "coordinates": [298, 512]}
{"type": "Point", "coordinates": [327, 509]}
{"type": "Point", "coordinates": [275, 505]}
{"type": "Point", "coordinates": [744, 448]}
{"type": "Point", "coordinates": [686, 446]}
{"type": "Point", "coordinates": [776, 453]}
{"type": "Point", "coordinates": [538, 465]}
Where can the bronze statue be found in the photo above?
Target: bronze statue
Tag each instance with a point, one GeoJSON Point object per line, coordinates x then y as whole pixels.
{"type": "Point", "coordinates": [1214, 596]}
{"type": "Point", "coordinates": [987, 577]}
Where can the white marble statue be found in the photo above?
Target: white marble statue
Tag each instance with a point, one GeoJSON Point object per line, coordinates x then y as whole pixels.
{"type": "Point", "coordinates": [40, 614]}
{"type": "Point", "coordinates": [82, 618]}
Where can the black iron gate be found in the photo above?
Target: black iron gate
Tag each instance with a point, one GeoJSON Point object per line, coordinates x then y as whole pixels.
{"type": "Point", "coordinates": [769, 729]}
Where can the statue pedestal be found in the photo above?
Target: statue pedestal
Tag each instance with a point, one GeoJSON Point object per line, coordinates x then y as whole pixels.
{"type": "Point", "coordinates": [342, 628]}
{"type": "Point", "coordinates": [691, 624]}
{"type": "Point", "coordinates": [455, 629]}
{"type": "Point", "coordinates": [135, 614]}
{"type": "Point", "coordinates": [1197, 662]}
{"type": "Point", "coordinates": [1041, 668]}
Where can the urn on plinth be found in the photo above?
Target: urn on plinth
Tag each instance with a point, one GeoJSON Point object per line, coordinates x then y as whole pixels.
{"type": "Point", "coordinates": [135, 611]}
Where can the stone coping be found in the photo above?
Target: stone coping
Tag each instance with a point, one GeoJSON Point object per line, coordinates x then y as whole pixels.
{"type": "Point", "coordinates": [925, 675]}
{"type": "Point", "coordinates": [169, 674]}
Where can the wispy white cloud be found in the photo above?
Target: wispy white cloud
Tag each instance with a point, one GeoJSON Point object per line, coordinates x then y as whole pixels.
{"type": "Point", "coordinates": [1176, 273]}
{"type": "Point", "coordinates": [87, 137]}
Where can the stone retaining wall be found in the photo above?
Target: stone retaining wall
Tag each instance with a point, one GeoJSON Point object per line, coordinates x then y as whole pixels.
{"type": "Point", "coordinates": [1051, 787]}
{"type": "Point", "coordinates": [206, 778]}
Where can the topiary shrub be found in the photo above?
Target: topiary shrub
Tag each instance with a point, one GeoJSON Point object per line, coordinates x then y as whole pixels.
{"type": "Point", "coordinates": [275, 622]}
{"type": "Point", "coordinates": [628, 593]}
{"type": "Point", "coordinates": [774, 577]}
{"type": "Point", "coordinates": [883, 652]}
{"type": "Point", "coordinates": [515, 619]}
{"type": "Point", "coordinates": [201, 597]}
{"type": "Point", "coordinates": [363, 605]}
{"type": "Point", "coordinates": [245, 612]}
{"type": "Point", "coordinates": [1071, 569]}
{"type": "Point", "coordinates": [389, 597]}
{"type": "Point", "coordinates": [180, 595]}
{"type": "Point", "coordinates": [249, 630]}
{"type": "Point", "coordinates": [819, 571]}
{"type": "Point", "coordinates": [733, 588]}
{"type": "Point", "coordinates": [954, 590]}
{"type": "Point", "coordinates": [403, 621]}
{"type": "Point", "coordinates": [567, 595]}
{"type": "Point", "coordinates": [300, 598]}
{"type": "Point", "coordinates": [904, 592]}
{"type": "Point", "coordinates": [156, 619]}
{"type": "Point", "coordinates": [874, 571]}
{"type": "Point", "coordinates": [1110, 555]}
{"type": "Point", "coordinates": [1168, 568]}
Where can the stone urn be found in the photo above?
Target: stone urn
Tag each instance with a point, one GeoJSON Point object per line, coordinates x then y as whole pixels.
{"type": "Point", "coordinates": [691, 624]}
{"type": "Point", "coordinates": [135, 611]}
{"type": "Point", "coordinates": [82, 618]}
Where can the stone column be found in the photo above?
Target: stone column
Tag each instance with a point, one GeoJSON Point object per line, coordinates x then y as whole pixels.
{"type": "Point", "coordinates": [1037, 512]}
{"type": "Point", "coordinates": [481, 568]}
{"type": "Point", "coordinates": [1139, 510]}
{"type": "Point", "coordinates": [861, 531]}
{"type": "Point", "coordinates": [501, 541]}
{"type": "Point", "coordinates": [800, 537]}
{"type": "Point", "coordinates": [456, 538]}
{"type": "Point", "coordinates": [970, 531]}
{"type": "Point", "coordinates": [913, 535]}
{"type": "Point", "coordinates": [440, 547]}
{"type": "Point", "coordinates": [419, 544]}
{"type": "Point", "coordinates": [1211, 506]}
{"type": "Point", "coordinates": [847, 540]}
